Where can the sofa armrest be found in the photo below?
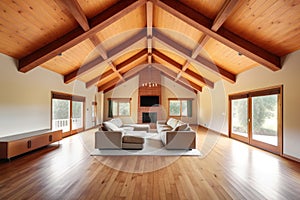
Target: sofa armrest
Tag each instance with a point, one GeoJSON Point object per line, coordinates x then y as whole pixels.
{"type": "Point", "coordinates": [108, 139]}
{"type": "Point", "coordinates": [161, 122]}
{"type": "Point", "coordinates": [180, 140]}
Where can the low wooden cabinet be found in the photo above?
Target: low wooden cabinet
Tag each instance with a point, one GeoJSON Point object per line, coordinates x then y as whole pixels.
{"type": "Point", "coordinates": [15, 145]}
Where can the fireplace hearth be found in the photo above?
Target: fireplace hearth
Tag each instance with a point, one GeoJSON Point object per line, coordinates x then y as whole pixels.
{"type": "Point", "coordinates": [149, 117]}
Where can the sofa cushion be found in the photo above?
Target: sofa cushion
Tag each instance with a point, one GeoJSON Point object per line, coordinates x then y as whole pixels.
{"type": "Point", "coordinates": [117, 121]}
{"type": "Point", "coordinates": [133, 139]}
{"type": "Point", "coordinates": [110, 126]}
{"type": "Point", "coordinates": [128, 128]}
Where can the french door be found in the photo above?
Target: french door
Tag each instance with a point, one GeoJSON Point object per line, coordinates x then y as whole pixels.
{"type": "Point", "coordinates": [256, 118]}
{"type": "Point", "coordinates": [67, 113]}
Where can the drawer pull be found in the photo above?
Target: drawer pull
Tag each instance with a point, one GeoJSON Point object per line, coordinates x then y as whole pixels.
{"type": "Point", "coordinates": [29, 144]}
{"type": "Point", "coordinates": [50, 138]}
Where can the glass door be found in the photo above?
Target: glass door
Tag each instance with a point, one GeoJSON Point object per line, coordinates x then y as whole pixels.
{"type": "Point", "coordinates": [61, 110]}
{"type": "Point", "coordinates": [77, 116]}
{"type": "Point", "coordinates": [265, 122]}
{"type": "Point", "coordinates": [256, 118]}
{"type": "Point", "coordinates": [239, 119]}
{"type": "Point", "coordinates": [67, 113]}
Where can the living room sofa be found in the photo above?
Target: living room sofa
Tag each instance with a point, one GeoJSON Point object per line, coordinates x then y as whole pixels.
{"type": "Point", "coordinates": [117, 140]}
{"type": "Point", "coordinates": [116, 124]}
{"type": "Point", "coordinates": [176, 134]}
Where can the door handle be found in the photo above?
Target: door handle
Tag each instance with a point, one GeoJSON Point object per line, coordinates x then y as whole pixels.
{"type": "Point", "coordinates": [29, 144]}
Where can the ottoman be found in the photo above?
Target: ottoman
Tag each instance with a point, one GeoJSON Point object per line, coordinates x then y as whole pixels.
{"type": "Point", "coordinates": [132, 142]}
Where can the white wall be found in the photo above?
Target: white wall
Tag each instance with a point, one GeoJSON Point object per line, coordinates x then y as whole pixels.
{"type": "Point", "coordinates": [25, 98]}
{"type": "Point", "coordinates": [128, 89]}
{"type": "Point", "coordinates": [172, 89]}
{"type": "Point", "coordinates": [214, 102]}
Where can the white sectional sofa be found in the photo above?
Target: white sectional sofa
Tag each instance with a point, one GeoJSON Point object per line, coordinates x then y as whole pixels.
{"type": "Point", "coordinates": [176, 134]}
{"type": "Point", "coordinates": [116, 124]}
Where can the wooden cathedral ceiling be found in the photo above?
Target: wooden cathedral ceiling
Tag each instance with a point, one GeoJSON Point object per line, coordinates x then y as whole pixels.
{"type": "Point", "coordinates": [107, 42]}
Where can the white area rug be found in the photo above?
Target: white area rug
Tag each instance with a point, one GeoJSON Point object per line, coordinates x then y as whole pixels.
{"type": "Point", "coordinates": [152, 147]}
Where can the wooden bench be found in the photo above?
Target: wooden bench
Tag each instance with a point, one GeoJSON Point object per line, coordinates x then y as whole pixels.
{"type": "Point", "coordinates": [15, 145]}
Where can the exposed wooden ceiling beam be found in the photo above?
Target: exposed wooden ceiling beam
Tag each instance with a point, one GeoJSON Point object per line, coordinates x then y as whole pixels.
{"type": "Point", "coordinates": [103, 76]}
{"type": "Point", "coordinates": [128, 75]}
{"type": "Point", "coordinates": [120, 66]}
{"type": "Point", "coordinates": [77, 12]}
{"type": "Point", "coordinates": [204, 24]}
{"type": "Point", "coordinates": [113, 67]}
{"type": "Point", "coordinates": [108, 84]}
{"type": "Point", "coordinates": [224, 13]}
{"type": "Point", "coordinates": [111, 54]}
{"type": "Point", "coordinates": [149, 7]}
{"type": "Point", "coordinates": [172, 74]}
{"type": "Point", "coordinates": [131, 59]}
{"type": "Point", "coordinates": [97, 43]}
{"type": "Point", "coordinates": [187, 72]}
{"type": "Point", "coordinates": [135, 70]}
{"type": "Point", "coordinates": [98, 23]}
{"type": "Point", "coordinates": [166, 41]}
{"type": "Point", "coordinates": [180, 83]}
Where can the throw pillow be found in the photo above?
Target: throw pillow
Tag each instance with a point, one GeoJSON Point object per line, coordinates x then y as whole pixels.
{"type": "Point", "coordinates": [181, 127]}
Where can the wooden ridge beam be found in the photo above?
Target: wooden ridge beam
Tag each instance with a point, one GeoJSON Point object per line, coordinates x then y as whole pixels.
{"type": "Point", "coordinates": [188, 72]}
{"type": "Point", "coordinates": [204, 24]}
{"type": "Point", "coordinates": [149, 7]}
{"type": "Point", "coordinates": [111, 54]}
{"type": "Point", "coordinates": [166, 41]}
{"type": "Point", "coordinates": [77, 12]}
{"type": "Point", "coordinates": [98, 23]}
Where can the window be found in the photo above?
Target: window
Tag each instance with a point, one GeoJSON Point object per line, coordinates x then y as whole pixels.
{"type": "Point", "coordinates": [118, 107]}
{"type": "Point", "coordinates": [180, 107]}
{"type": "Point", "coordinates": [256, 118]}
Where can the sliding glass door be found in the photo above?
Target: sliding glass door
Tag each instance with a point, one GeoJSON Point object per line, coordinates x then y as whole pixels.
{"type": "Point", "coordinates": [256, 118]}
{"type": "Point", "coordinates": [239, 119]}
{"type": "Point", "coordinates": [77, 116]}
{"type": "Point", "coordinates": [67, 113]}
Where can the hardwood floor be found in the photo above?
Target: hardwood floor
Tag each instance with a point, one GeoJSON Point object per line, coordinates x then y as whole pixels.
{"type": "Point", "coordinates": [228, 169]}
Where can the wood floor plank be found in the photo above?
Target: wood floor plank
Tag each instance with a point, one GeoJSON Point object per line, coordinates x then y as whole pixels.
{"type": "Point", "coordinates": [228, 170]}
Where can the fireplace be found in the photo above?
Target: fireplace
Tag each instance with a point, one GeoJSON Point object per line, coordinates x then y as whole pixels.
{"type": "Point", "coordinates": [149, 117]}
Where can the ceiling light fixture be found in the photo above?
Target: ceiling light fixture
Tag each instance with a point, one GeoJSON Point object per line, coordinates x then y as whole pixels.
{"type": "Point", "coordinates": [150, 83]}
